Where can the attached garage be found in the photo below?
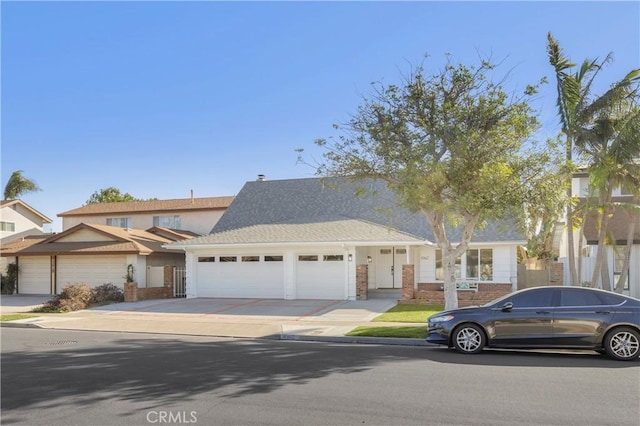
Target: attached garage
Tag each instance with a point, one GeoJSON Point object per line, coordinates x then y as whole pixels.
{"type": "Point", "coordinates": [320, 276]}
{"type": "Point", "coordinates": [34, 275]}
{"type": "Point", "coordinates": [240, 276]}
{"type": "Point", "coordinates": [91, 270]}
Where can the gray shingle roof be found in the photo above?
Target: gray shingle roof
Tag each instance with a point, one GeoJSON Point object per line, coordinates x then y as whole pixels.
{"type": "Point", "coordinates": [325, 210]}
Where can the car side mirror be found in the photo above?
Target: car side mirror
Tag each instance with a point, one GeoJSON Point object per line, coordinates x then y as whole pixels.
{"type": "Point", "coordinates": [507, 307]}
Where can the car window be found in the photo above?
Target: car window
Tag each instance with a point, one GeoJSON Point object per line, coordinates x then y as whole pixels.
{"type": "Point", "coordinates": [533, 299]}
{"type": "Point", "coordinates": [577, 297]}
{"type": "Point", "coordinates": [611, 299]}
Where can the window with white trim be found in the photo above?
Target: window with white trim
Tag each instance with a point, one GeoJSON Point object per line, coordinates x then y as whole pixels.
{"type": "Point", "coordinates": [8, 226]}
{"type": "Point", "coordinates": [121, 222]}
{"type": "Point", "coordinates": [476, 264]}
{"type": "Point", "coordinates": [333, 258]}
{"type": "Point", "coordinates": [172, 222]}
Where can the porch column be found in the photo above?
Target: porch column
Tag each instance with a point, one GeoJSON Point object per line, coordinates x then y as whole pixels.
{"type": "Point", "coordinates": [408, 290]}
{"type": "Point", "coordinates": [362, 282]}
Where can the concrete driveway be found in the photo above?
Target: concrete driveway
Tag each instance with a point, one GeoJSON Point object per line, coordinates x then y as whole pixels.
{"type": "Point", "coordinates": [18, 303]}
{"type": "Point", "coordinates": [308, 310]}
{"type": "Point", "coordinates": [253, 318]}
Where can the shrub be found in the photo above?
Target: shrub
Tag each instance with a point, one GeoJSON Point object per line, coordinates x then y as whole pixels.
{"type": "Point", "coordinates": [8, 282]}
{"type": "Point", "coordinates": [75, 297]}
{"type": "Point", "coordinates": [105, 294]}
{"type": "Point", "coordinates": [7, 285]}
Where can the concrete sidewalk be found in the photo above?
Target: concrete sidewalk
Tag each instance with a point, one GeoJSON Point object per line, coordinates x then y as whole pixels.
{"type": "Point", "coordinates": [327, 321]}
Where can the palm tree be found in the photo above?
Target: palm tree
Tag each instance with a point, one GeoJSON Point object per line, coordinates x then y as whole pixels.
{"type": "Point", "coordinates": [18, 185]}
{"type": "Point", "coordinates": [579, 110]}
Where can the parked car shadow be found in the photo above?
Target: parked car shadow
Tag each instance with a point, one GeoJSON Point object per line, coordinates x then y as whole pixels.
{"type": "Point", "coordinates": [529, 358]}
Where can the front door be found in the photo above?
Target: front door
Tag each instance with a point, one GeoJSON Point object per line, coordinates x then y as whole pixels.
{"type": "Point", "coordinates": [389, 261]}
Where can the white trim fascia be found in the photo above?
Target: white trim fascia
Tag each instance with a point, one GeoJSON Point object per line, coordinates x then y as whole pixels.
{"type": "Point", "coordinates": [335, 243]}
{"type": "Point", "coordinates": [299, 243]}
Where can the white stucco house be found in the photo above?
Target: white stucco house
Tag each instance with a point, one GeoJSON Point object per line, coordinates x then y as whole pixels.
{"type": "Point", "coordinates": [308, 238]}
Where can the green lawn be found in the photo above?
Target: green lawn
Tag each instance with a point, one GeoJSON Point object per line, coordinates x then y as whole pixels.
{"type": "Point", "coordinates": [14, 317]}
{"type": "Point", "coordinates": [400, 332]}
{"type": "Point", "coordinates": [409, 313]}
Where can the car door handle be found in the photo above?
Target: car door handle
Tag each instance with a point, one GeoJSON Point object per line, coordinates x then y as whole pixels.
{"type": "Point", "coordinates": [543, 312]}
{"type": "Point", "coordinates": [603, 312]}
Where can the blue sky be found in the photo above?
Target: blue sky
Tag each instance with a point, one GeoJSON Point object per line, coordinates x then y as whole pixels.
{"type": "Point", "coordinates": [160, 98]}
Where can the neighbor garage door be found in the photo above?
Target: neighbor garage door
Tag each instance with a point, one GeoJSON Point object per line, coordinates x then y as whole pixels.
{"type": "Point", "coordinates": [320, 276]}
{"type": "Point", "coordinates": [240, 276]}
{"type": "Point", "coordinates": [34, 275]}
{"type": "Point", "coordinates": [91, 270]}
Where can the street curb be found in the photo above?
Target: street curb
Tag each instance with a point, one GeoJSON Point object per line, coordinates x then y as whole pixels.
{"type": "Point", "coordinates": [355, 339]}
{"type": "Point", "coordinates": [11, 324]}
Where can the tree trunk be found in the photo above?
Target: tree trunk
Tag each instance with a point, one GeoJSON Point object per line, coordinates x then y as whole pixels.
{"type": "Point", "coordinates": [624, 274]}
{"type": "Point", "coordinates": [449, 269]}
{"type": "Point", "coordinates": [573, 276]}
{"type": "Point", "coordinates": [603, 219]}
{"type": "Point", "coordinates": [581, 244]}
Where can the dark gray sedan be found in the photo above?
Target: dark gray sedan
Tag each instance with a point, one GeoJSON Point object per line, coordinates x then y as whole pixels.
{"type": "Point", "coordinates": [544, 317]}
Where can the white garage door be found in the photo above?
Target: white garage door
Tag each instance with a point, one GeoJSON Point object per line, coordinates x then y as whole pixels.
{"type": "Point", "coordinates": [91, 270]}
{"type": "Point", "coordinates": [240, 276]}
{"type": "Point", "coordinates": [320, 276]}
{"type": "Point", "coordinates": [34, 275]}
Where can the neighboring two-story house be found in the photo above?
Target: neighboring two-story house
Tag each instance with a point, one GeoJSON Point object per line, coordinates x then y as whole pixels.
{"type": "Point", "coordinates": [18, 220]}
{"type": "Point", "coordinates": [197, 215]}
{"type": "Point", "coordinates": [618, 233]}
{"type": "Point", "coordinates": [99, 242]}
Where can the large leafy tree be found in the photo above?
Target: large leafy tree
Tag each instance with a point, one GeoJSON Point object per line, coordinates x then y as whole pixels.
{"type": "Point", "coordinates": [589, 124]}
{"type": "Point", "coordinates": [18, 185]}
{"type": "Point", "coordinates": [450, 144]}
{"type": "Point", "coordinates": [110, 195]}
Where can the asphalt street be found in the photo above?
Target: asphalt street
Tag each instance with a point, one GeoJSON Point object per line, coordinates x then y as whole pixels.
{"type": "Point", "coordinates": [58, 377]}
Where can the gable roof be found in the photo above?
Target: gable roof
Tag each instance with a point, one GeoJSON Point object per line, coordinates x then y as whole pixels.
{"type": "Point", "coordinates": [325, 210]}
{"type": "Point", "coordinates": [152, 206]}
{"type": "Point", "coordinates": [117, 241]}
{"type": "Point", "coordinates": [10, 203]}
{"type": "Point", "coordinates": [10, 249]}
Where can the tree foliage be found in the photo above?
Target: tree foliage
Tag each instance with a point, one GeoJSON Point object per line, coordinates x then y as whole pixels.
{"type": "Point", "coordinates": [110, 195]}
{"type": "Point", "coordinates": [18, 185]}
{"type": "Point", "coordinates": [453, 145]}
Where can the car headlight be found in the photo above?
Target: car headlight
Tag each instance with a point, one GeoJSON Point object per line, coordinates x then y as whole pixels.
{"type": "Point", "coordinates": [443, 318]}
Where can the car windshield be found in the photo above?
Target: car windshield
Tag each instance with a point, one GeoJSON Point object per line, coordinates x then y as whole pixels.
{"type": "Point", "coordinates": [498, 300]}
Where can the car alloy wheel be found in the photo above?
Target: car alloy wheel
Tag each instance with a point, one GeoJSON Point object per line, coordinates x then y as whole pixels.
{"type": "Point", "coordinates": [468, 339]}
{"type": "Point", "coordinates": [623, 343]}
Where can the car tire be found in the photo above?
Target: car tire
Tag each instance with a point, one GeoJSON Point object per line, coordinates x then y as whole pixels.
{"type": "Point", "coordinates": [622, 343]}
{"type": "Point", "coordinates": [468, 339]}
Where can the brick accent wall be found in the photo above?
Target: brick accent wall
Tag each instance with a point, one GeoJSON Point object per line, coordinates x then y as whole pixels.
{"type": "Point", "coordinates": [408, 283]}
{"type": "Point", "coordinates": [134, 294]}
{"type": "Point", "coordinates": [362, 282]}
{"type": "Point", "coordinates": [432, 294]}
